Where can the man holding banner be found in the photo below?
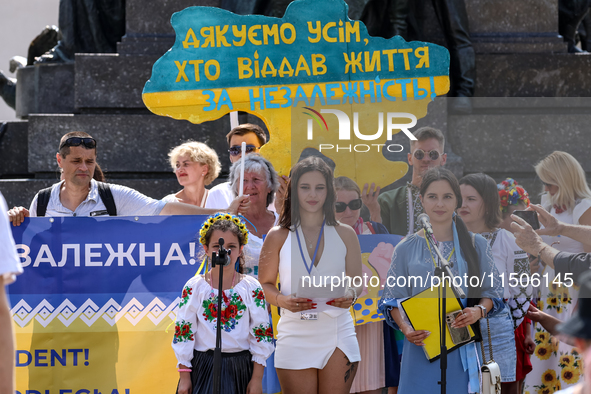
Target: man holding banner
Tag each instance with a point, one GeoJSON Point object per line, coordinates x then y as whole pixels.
{"type": "Point", "coordinates": [80, 195]}
{"type": "Point", "coordinates": [9, 267]}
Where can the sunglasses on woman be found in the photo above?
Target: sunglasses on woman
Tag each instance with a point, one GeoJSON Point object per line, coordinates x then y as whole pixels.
{"type": "Point", "coordinates": [353, 205]}
{"type": "Point", "coordinates": [89, 143]}
{"type": "Point", "coordinates": [237, 149]}
{"type": "Point", "coordinates": [420, 154]}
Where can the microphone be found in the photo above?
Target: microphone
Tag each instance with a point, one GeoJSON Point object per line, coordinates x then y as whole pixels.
{"type": "Point", "coordinates": [222, 257]}
{"type": "Point", "coordinates": [425, 223]}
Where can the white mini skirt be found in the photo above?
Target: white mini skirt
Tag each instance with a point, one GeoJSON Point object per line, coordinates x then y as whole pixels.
{"type": "Point", "coordinates": [303, 344]}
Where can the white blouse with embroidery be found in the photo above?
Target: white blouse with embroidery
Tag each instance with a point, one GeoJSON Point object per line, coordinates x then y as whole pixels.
{"type": "Point", "coordinates": [245, 321]}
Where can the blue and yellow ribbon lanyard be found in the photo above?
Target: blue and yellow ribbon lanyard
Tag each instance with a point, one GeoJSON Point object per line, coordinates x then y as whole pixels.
{"type": "Point", "coordinates": [315, 251]}
{"type": "Point", "coordinates": [431, 253]}
{"type": "Point", "coordinates": [433, 258]}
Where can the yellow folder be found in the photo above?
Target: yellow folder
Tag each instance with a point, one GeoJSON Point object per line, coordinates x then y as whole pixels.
{"type": "Point", "coordinates": [423, 312]}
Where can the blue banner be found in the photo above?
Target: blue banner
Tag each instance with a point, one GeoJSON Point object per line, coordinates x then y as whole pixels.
{"type": "Point", "coordinates": [99, 294]}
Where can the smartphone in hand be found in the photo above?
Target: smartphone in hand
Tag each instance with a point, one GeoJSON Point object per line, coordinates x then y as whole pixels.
{"type": "Point", "coordinates": [458, 335]}
{"type": "Point", "coordinates": [531, 217]}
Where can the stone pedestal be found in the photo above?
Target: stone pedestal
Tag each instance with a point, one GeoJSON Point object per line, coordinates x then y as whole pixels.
{"type": "Point", "coordinates": [13, 149]}
{"type": "Point", "coordinates": [133, 144]}
{"type": "Point", "coordinates": [148, 30]}
{"type": "Point", "coordinates": [45, 89]}
{"type": "Point", "coordinates": [508, 26]}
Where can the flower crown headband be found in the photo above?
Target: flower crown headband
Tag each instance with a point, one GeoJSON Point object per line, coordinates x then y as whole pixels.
{"type": "Point", "coordinates": [222, 216]}
{"type": "Point", "coordinates": [510, 194]}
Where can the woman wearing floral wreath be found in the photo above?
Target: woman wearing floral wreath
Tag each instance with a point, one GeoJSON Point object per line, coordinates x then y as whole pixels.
{"type": "Point", "coordinates": [567, 197]}
{"type": "Point", "coordinates": [317, 349]}
{"type": "Point", "coordinates": [514, 197]}
{"type": "Point", "coordinates": [246, 333]}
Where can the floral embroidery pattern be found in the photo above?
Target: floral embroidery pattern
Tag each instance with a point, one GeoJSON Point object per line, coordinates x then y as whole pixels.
{"type": "Point", "coordinates": [187, 291]}
{"type": "Point", "coordinates": [182, 332]}
{"type": "Point", "coordinates": [259, 297]}
{"type": "Point", "coordinates": [263, 333]}
{"type": "Point", "coordinates": [233, 309]}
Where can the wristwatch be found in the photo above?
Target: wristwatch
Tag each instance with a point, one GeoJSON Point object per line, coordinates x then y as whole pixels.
{"type": "Point", "coordinates": [483, 309]}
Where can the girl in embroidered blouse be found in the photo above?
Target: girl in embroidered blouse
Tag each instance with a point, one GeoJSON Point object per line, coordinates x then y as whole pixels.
{"type": "Point", "coordinates": [246, 333]}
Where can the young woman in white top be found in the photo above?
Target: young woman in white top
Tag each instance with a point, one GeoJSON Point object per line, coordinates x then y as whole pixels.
{"type": "Point", "coordinates": [568, 198]}
{"type": "Point", "coordinates": [317, 349]}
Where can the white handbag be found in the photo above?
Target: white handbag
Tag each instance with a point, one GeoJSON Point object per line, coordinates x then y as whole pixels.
{"type": "Point", "coordinates": [491, 373]}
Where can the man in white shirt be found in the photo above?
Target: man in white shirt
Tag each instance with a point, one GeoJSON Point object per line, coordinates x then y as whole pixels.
{"type": "Point", "coordinates": [10, 266]}
{"type": "Point", "coordinates": [221, 195]}
{"type": "Point", "coordinates": [78, 194]}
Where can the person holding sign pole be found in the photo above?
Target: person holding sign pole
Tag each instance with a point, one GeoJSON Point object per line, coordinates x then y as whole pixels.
{"type": "Point", "coordinates": [414, 258]}
{"type": "Point", "coordinates": [221, 195]}
{"type": "Point", "coordinates": [253, 175]}
{"type": "Point", "coordinates": [317, 349]}
{"type": "Point", "coordinates": [259, 184]}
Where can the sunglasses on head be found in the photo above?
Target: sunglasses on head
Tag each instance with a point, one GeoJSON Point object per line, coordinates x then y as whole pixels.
{"type": "Point", "coordinates": [89, 143]}
{"type": "Point", "coordinates": [420, 154]}
{"type": "Point", "coordinates": [353, 205]}
{"type": "Point", "coordinates": [237, 149]}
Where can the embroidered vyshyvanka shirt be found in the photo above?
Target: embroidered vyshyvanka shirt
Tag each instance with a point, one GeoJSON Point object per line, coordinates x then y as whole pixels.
{"type": "Point", "coordinates": [245, 321]}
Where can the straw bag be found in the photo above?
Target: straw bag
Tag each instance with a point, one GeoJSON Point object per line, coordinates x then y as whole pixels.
{"type": "Point", "coordinates": [491, 373]}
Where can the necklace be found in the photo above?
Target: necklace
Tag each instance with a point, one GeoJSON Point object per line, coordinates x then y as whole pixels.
{"type": "Point", "coordinates": [310, 244]}
{"type": "Point", "coordinates": [309, 268]}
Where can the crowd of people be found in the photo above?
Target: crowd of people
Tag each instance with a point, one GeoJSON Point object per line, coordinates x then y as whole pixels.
{"type": "Point", "coordinates": [281, 229]}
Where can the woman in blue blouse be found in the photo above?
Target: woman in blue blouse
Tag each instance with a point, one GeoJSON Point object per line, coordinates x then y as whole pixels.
{"type": "Point", "coordinates": [469, 254]}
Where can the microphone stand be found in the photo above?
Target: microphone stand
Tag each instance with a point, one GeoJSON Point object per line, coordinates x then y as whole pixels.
{"type": "Point", "coordinates": [220, 259]}
{"type": "Point", "coordinates": [442, 270]}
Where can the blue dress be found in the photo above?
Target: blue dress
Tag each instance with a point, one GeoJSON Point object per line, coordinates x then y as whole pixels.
{"type": "Point", "coordinates": [412, 257]}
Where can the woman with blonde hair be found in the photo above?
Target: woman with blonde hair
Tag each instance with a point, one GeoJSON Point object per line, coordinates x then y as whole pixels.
{"type": "Point", "coordinates": [567, 197]}
{"type": "Point", "coordinates": [564, 183]}
{"type": "Point", "coordinates": [196, 165]}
